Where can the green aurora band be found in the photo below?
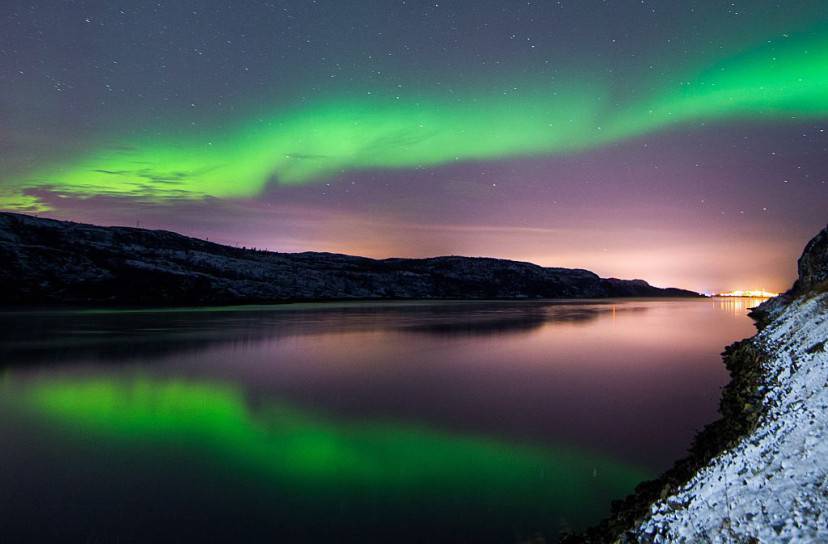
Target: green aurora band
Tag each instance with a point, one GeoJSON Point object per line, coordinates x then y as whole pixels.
{"type": "Point", "coordinates": [313, 454]}
{"type": "Point", "coordinates": [779, 80]}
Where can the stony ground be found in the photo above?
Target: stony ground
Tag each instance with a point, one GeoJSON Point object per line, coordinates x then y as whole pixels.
{"type": "Point", "coordinates": [773, 486]}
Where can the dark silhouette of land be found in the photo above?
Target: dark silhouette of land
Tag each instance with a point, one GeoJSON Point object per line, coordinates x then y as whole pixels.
{"type": "Point", "coordinates": [44, 261]}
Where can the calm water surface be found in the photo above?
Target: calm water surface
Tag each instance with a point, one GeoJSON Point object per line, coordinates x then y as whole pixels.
{"type": "Point", "coordinates": [420, 422]}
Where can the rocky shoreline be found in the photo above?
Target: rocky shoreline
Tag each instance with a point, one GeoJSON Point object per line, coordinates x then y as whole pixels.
{"type": "Point", "coordinates": [736, 483]}
{"type": "Point", "coordinates": [739, 408]}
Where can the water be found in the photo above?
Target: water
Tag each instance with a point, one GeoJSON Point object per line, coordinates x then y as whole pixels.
{"type": "Point", "coordinates": [411, 422]}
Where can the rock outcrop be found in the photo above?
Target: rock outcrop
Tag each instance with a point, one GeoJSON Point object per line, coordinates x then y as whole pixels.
{"type": "Point", "coordinates": [44, 261]}
{"type": "Point", "coordinates": [812, 269]}
{"type": "Point", "coordinates": [813, 264]}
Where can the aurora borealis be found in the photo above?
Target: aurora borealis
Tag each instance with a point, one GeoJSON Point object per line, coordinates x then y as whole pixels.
{"type": "Point", "coordinates": [636, 139]}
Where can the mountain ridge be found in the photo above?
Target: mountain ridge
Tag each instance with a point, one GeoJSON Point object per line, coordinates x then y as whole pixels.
{"type": "Point", "coordinates": [48, 261]}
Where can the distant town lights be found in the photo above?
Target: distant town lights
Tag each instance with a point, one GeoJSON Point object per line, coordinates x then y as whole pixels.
{"type": "Point", "coordinates": [748, 294]}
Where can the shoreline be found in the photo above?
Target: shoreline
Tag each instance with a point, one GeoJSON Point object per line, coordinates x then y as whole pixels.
{"type": "Point", "coordinates": [325, 303]}
{"type": "Point", "coordinates": [739, 406]}
{"type": "Point", "coordinates": [773, 420]}
{"type": "Point", "coordinates": [771, 486]}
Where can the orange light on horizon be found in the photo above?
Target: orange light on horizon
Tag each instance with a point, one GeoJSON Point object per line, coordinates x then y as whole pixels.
{"type": "Point", "coordinates": [748, 294]}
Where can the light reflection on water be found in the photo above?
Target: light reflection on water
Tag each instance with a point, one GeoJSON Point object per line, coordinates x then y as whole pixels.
{"type": "Point", "coordinates": [485, 421]}
{"type": "Point", "coordinates": [738, 306]}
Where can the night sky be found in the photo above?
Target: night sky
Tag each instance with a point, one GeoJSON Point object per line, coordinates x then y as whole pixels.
{"type": "Point", "coordinates": [682, 142]}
